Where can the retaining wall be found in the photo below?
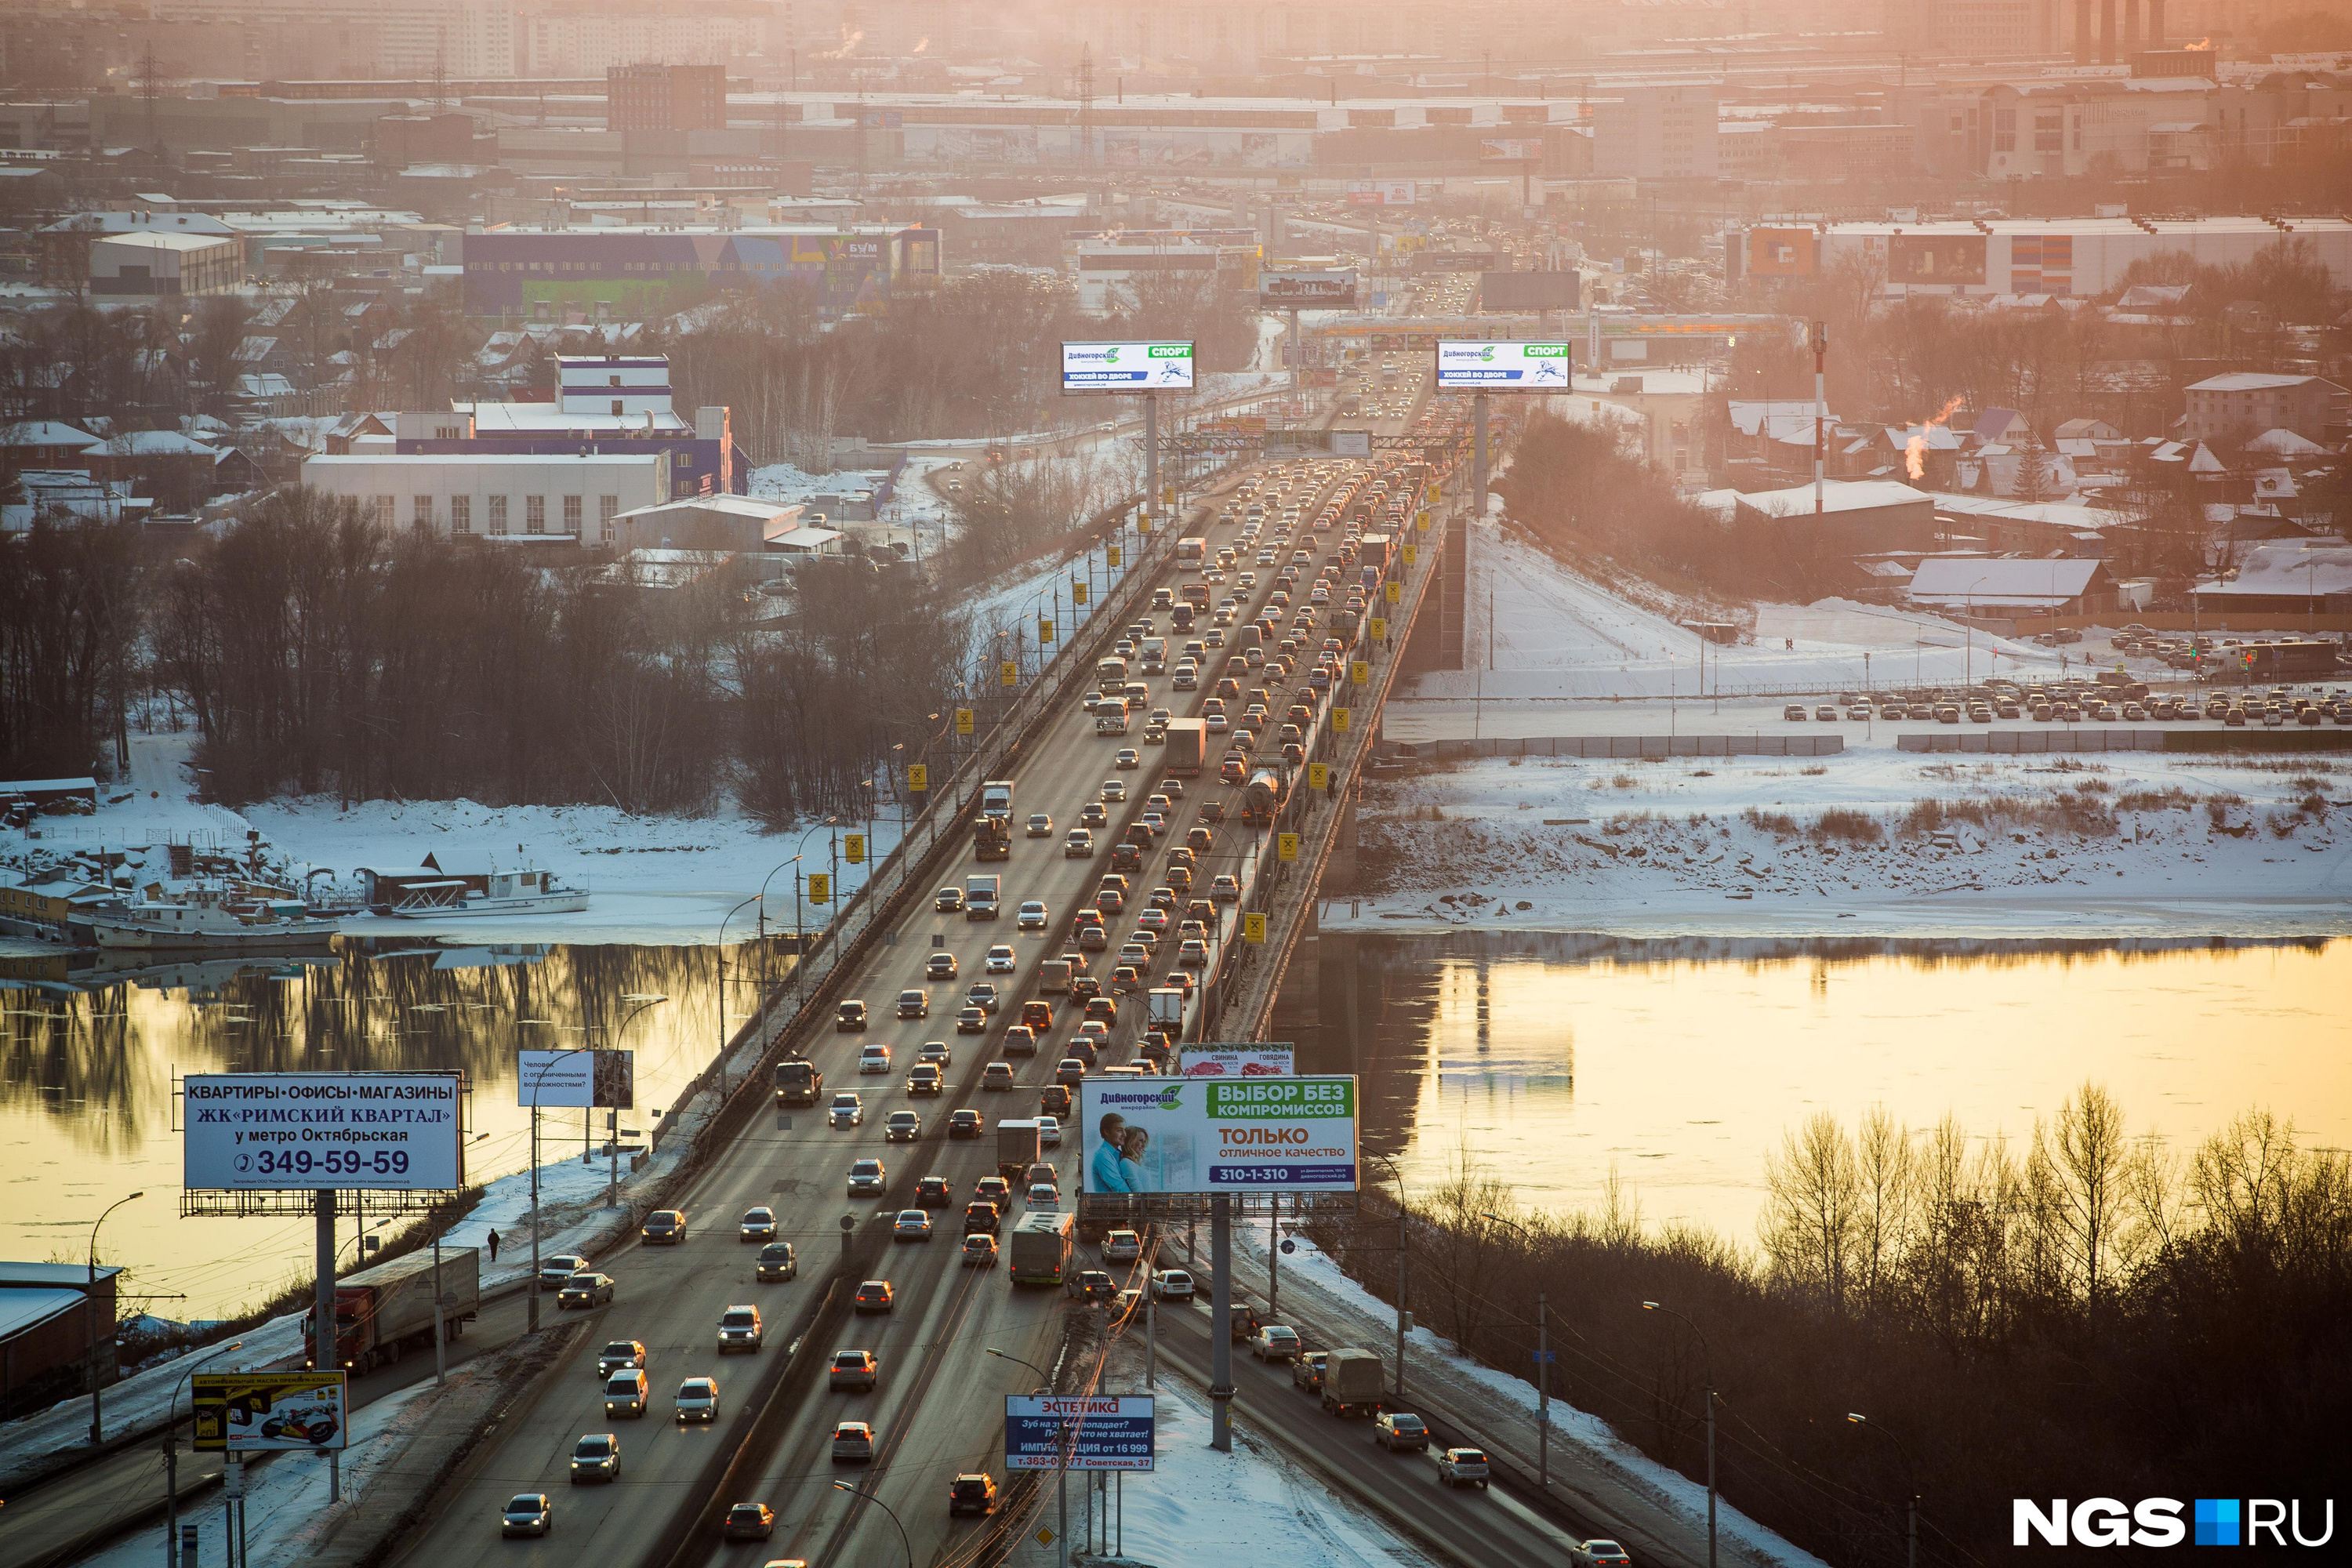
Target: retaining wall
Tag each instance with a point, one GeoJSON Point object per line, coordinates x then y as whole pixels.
{"type": "Point", "coordinates": [1629, 746]}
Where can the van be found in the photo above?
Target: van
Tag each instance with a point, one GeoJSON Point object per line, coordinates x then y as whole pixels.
{"type": "Point", "coordinates": [626, 1392]}
{"type": "Point", "coordinates": [1054, 975]}
{"type": "Point", "coordinates": [1111, 673]}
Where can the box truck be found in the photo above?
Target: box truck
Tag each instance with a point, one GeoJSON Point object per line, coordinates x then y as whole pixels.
{"type": "Point", "coordinates": [1017, 1148]}
{"type": "Point", "coordinates": [384, 1312]}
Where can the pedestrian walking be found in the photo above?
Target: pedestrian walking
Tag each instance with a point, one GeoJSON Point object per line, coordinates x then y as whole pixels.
{"type": "Point", "coordinates": [494, 1247]}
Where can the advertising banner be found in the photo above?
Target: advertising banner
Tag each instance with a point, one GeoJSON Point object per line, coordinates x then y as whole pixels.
{"type": "Point", "coordinates": [1235, 1061]}
{"type": "Point", "coordinates": [1351, 443]}
{"type": "Point", "coordinates": [1329, 289]}
{"type": "Point", "coordinates": [1261, 1134]}
{"type": "Point", "coordinates": [1379, 193]}
{"type": "Point", "coordinates": [1931, 258]}
{"type": "Point", "coordinates": [1512, 149]}
{"type": "Point", "coordinates": [394, 1132]}
{"type": "Point", "coordinates": [1503, 367]}
{"type": "Point", "coordinates": [1127, 367]}
{"type": "Point", "coordinates": [1102, 1432]}
{"type": "Point", "coordinates": [576, 1080]}
{"type": "Point", "coordinates": [1781, 252]}
{"type": "Point", "coordinates": [270, 1412]}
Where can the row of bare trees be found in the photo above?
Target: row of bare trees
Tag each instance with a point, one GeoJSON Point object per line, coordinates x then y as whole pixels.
{"type": "Point", "coordinates": [2084, 1311]}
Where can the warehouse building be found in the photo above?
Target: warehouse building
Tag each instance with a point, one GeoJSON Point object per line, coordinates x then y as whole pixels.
{"type": "Point", "coordinates": [505, 499]}
{"type": "Point", "coordinates": [165, 264]}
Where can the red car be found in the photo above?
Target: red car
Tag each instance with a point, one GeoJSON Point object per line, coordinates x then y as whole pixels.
{"type": "Point", "coordinates": [1038, 1015]}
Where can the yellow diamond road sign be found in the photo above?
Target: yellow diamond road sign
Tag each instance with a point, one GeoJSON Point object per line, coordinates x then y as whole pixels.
{"type": "Point", "coordinates": [1045, 1536]}
{"type": "Point", "coordinates": [918, 776]}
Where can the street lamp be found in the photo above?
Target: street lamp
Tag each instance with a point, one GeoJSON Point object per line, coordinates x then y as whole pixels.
{"type": "Point", "coordinates": [1911, 1535]}
{"type": "Point", "coordinates": [1543, 1364]}
{"type": "Point", "coordinates": [643, 999]}
{"type": "Point", "coordinates": [90, 1309]}
{"type": "Point", "coordinates": [538, 1082]}
{"type": "Point", "coordinates": [1707, 1361]}
{"type": "Point", "coordinates": [1403, 1230]}
{"type": "Point", "coordinates": [1061, 1451]}
{"type": "Point", "coordinates": [172, 1453]}
{"type": "Point", "coordinates": [885, 1508]}
{"type": "Point", "coordinates": [729, 915]}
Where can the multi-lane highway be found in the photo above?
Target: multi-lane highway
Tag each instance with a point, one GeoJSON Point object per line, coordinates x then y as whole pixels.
{"type": "Point", "coordinates": [937, 1409]}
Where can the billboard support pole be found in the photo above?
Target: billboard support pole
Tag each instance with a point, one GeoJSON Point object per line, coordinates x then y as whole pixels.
{"type": "Point", "coordinates": [1273, 1253]}
{"type": "Point", "coordinates": [1150, 455]}
{"type": "Point", "coordinates": [1478, 454]}
{"type": "Point", "coordinates": [1221, 1321]}
{"type": "Point", "coordinates": [1821, 408]}
{"type": "Point", "coordinates": [1293, 358]}
{"type": "Point", "coordinates": [322, 1321]}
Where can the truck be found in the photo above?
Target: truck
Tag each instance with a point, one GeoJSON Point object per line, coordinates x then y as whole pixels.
{"type": "Point", "coordinates": [996, 798]}
{"type": "Point", "coordinates": [980, 892]}
{"type": "Point", "coordinates": [1188, 746]}
{"type": "Point", "coordinates": [1054, 977]}
{"type": "Point", "coordinates": [1166, 1004]}
{"type": "Point", "coordinates": [798, 1082]}
{"type": "Point", "coordinates": [1263, 795]}
{"type": "Point", "coordinates": [1040, 1252]}
{"type": "Point", "coordinates": [991, 838]}
{"type": "Point", "coordinates": [1352, 1381]}
{"type": "Point", "coordinates": [1017, 1147]}
{"type": "Point", "coordinates": [384, 1311]}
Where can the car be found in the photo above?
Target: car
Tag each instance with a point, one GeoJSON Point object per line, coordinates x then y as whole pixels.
{"type": "Point", "coordinates": [971, 1020]}
{"type": "Point", "coordinates": [992, 1189]}
{"type": "Point", "coordinates": [697, 1400]}
{"type": "Point", "coordinates": [1192, 953]}
{"type": "Point", "coordinates": [849, 1017]}
{"type": "Point", "coordinates": [1273, 1342]}
{"type": "Point", "coordinates": [1171, 1285]}
{"type": "Point", "coordinates": [914, 1004]}
{"type": "Point", "coordinates": [912, 1225]}
{"type": "Point", "coordinates": [1103, 1009]}
{"type": "Point", "coordinates": [596, 1457]}
{"type": "Point", "coordinates": [972, 1494]}
{"type": "Point", "coordinates": [758, 1224]}
{"type": "Point", "coordinates": [1049, 1133]}
{"type": "Point", "coordinates": [866, 1178]}
{"type": "Point", "coordinates": [1307, 1370]}
{"type": "Point", "coordinates": [777, 1262]}
{"type": "Point", "coordinates": [1043, 1195]}
{"type": "Point", "coordinates": [526, 1513]}
{"type": "Point", "coordinates": [853, 1369]}
{"type": "Point", "coordinates": [852, 1443]}
{"type": "Point", "coordinates": [996, 1075]}
{"type": "Point", "coordinates": [1114, 790]}
{"type": "Point", "coordinates": [964, 1123]}
{"type": "Point", "coordinates": [585, 1290]}
{"type": "Point", "coordinates": [1126, 978]}
{"type": "Point", "coordinates": [847, 1111]}
{"type": "Point", "coordinates": [873, 1296]}
{"type": "Point", "coordinates": [747, 1521]}
{"type": "Point", "coordinates": [925, 1080]}
{"type": "Point", "coordinates": [948, 900]}
{"type": "Point", "coordinates": [902, 1127]}
{"type": "Point", "coordinates": [618, 1353]}
{"type": "Point", "coordinates": [663, 1228]}
{"type": "Point", "coordinates": [1463, 1468]}
{"type": "Point", "coordinates": [1090, 1285]}
{"type": "Point", "coordinates": [1600, 1554]}
{"type": "Point", "coordinates": [981, 1217]}
{"type": "Point", "coordinates": [1128, 757]}
{"type": "Point", "coordinates": [1093, 814]}
{"type": "Point", "coordinates": [1399, 1430]}
{"type": "Point", "coordinates": [555, 1270]}
{"type": "Point", "coordinates": [939, 966]}
{"type": "Point", "coordinates": [1825, 713]}
{"type": "Point", "coordinates": [1001, 960]}
{"type": "Point", "coordinates": [874, 1058]}
{"type": "Point", "coordinates": [1037, 1013]}
{"type": "Point", "coordinates": [740, 1329]}
{"type": "Point", "coordinates": [1070, 1070]}
{"type": "Point", "coordinates": [1040, 826]}
{"type": "Point", "coordinates": [1033, 916]}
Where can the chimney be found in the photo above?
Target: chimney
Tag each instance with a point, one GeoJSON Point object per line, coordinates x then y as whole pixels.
{"type": "Point", "coordinates": [2131, 25]}
{"type": "Point", "coordinates": [2106, 32]}
{"type": "Point", "coordinates": [2082, 32]}
{"type": "Point", "coordinates": [2156, 24]}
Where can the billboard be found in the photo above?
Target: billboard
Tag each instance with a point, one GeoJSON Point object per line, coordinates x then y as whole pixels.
{"type": "Point", "coordinates": [1781, 252]}
{"type": "Point", "coordinates": [1459, 261]}
{"type": "Point", "coordinates": [394, 1132]}
{"type": "Point", "coordinates": [1513, 149]}
{"type": "Point", "coordinates": [576, 1080]}
{"type": "Point", "coordinates": [1503, 367]}
{"type": "Point", "coordinates": [1103, 1431]}
{"type": "Point", "coordinates": [1530, 290]}
{"type": "Point", "coordinates": [1127, 367]}
{"type": "Point", "coordinates": [1936, 259]}
{"type": "Point", "coordinates": [270, 1412]}
{"type": "Point", "coordinates": [1235, 1061]}
{"type": "Point", "coordinates": [1329, 289]}
{"type": "Point", "coordinates": [1260, 1134]}
{"type": "Point", "coordinates": [1379, 193]}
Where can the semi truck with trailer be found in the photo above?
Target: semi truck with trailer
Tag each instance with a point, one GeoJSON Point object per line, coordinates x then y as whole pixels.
{"type": "Point", "coordinates": [382, 1312]}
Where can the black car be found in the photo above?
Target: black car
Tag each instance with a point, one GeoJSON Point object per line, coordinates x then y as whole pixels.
{"type": "Point", "coordinates": [964, 1125]}
{"type": "Point", "coordinates": [850, 1018]}
{"type": "Point", "coordinates": [1091, 1285]}
{"type": "Point", "coordinates": [972, 1494]}
{"type": "Point", "coordinates": [934, 1193]}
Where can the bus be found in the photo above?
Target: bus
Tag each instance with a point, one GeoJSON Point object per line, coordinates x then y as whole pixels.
{"type": "Point", "coordinates": [1192, 552]}
{"type": "Point", "coordinates": [1040, 1253]}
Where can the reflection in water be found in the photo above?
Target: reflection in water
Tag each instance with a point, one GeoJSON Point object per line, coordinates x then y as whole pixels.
{"type": "Point", "coordinates": [1551, 1059]}
{"type": "Point", "coordinates": [89, 1059]}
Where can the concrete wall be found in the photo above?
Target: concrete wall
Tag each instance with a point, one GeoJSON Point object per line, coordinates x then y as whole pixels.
{"type": "Point", "coordinates": [1630, 746]}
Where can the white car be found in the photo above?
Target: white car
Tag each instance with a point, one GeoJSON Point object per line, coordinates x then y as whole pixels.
{"type": "Point", "coordinates": [1001, 960]}
{"type": "Point", "coordinates": [1044, 1196]}
{"type": "Point", "coordinates": [874, 1058]}
{"type": "Point", "coordinates": [1049, 1131]}
{"type": "Point", "coordinates": [1122, 1247]}
{"type": "Point", "coordinates": [1171, 1285]}
{"type": "Point", "coordinates": [1032, 917]}
{"type": "Point", "coordinates": [847, 1110]}
{"type": "Point", "coordinates": [698, 1399]}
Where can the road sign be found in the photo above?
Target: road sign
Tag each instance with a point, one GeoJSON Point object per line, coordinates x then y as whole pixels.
{"type": "Point", "coordinates": [1339, 719]}
{"type": "Point", "coordinates": [1360, 673]}
{"type": "Point", "coordinates": [1008, 673]}
{"type": "Point", "coordinates": [270, 1412]}
{"type": "Point", "coordinates": [1396, 590]}
{"type": "Point", "coordinates": [852, 848]}
{"type": "Point", "coordinates": [1077, 593]}
{"type": "Point", "coordinates": [1045, 1536]}
{"type": "Point", "coordinates": [1143, 522]}
{"type": "Point", "coordinates": [919, 777]}
{"type": "Point", "coordinates": [1435, 493]}
{"type": "Point", "coordinates": [1288, 1246]}
{"type": "Point", "coordinates": [1254, 928]}
{"type": "Point", "coordinates": [820, 887]}
{"type": "Point", "coordinates": [1547, 1355]}
{"type": "Point", "coordinates": [576, 1080]}
{"type": "Point", "coordinates": [963, 717]}
{"type": "Point", "coordinates": [391, 1132]}
{"type": "Point", "coordinates": [1379, 626]}
{"type": "Point", "coordinates": [1111, 552]}
{"type": "Point", "coordinates": [1098, 1432]}
{"type": "Point", "coordinates": [1411, 554]}
{"type": "Point", "coordinates": [1045, 629]}
{"type": "Point", "coordinates": [1421, 521]}
{"type": "Point", "coordinates": [1318, 775]}
{"type": "Point", "coordinates": [1286, 845]}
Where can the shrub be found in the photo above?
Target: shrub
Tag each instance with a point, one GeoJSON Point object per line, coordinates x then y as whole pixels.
{"type": "Point", "coordinates": [1843, 824]}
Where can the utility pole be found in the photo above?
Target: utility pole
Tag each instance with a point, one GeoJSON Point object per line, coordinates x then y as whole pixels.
{"type": "Point", "coordinates": [1821, 408]}
{"type": "Point", "coordinates": [1221, 1319]}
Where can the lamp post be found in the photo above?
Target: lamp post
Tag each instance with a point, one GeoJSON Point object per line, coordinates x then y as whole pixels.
{"type": "Point", "coordinates": [1403, 1230]}
{"type": "Point", "coordinates": [644, 1000]}
{"type": "Point", "coordinates": [885, 1508]}
{"type": "Point", "coordinates": [1911, 1535]}
{"type": "Point", "coordinates": [1543, 1364]}
{"type": "Point", "coordinates": [90, 1309]}
{"type": "Point", "coordinates": [171, 1454]}
{"type": "Point", "coordinates": [538, 1082]}
{"type": "Point", "coordinates": [1062, 1454]}
{"type": "Point", "coordinates": [729, 915]}
{"type": "Point", "coordinates": [1707, 1363]}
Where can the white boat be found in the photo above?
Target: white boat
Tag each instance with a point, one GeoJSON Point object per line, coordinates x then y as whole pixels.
{"type": "Point", "coordinates": [503, 893]}
{"type": "Point", "coordinates": [205, 918]}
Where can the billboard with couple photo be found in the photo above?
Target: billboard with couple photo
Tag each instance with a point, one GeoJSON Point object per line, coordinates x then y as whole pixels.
{"type": "Point", "coordinates": [1143, 1136]}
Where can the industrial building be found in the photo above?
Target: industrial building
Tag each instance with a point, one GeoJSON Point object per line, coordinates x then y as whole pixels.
{"type": "Point", "coordinates": [54, 1320]}
{"type": "Point", "coordinates": [165, 264]}
{"type": "Point", "coordinates": [637, 271]}
{"type": "Point", "coordinates": [496, 498]}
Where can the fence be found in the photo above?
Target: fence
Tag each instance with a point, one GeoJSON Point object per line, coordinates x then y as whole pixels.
{"type": "Point", "coordinates": [1628, 746]}
{"type": "Point", "coordinates": [2040, 742]}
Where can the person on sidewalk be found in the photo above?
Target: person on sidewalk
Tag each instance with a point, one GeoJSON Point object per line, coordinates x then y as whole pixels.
{"type": "Point", "coordinates": [494, 1247]}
